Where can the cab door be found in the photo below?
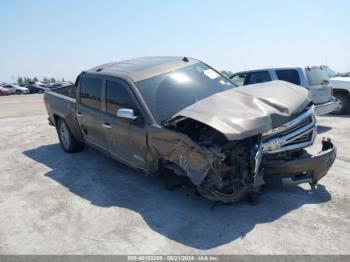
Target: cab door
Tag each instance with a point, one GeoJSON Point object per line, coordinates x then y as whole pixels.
{"type": "Point", "coordinates": [126, 136]}
{"type": "Point", "coordinates": [89, 111]}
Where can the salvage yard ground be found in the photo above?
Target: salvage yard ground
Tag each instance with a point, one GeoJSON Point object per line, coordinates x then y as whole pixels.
{"type": "Point", "coordinates": [87, 203]}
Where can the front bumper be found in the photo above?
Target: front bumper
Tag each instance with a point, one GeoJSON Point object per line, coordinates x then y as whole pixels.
{"type": "Point", "coordinates": [326, 108]}
{"type": "Point", "coordinates": [306, 168]}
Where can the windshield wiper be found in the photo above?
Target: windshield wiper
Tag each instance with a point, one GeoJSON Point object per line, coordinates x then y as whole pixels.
{"type": "Point", "coordinates": [162, 123]}
{"type": "Point", "coordinates": [173, 120]}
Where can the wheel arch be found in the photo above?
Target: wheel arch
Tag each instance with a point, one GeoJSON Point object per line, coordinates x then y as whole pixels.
{"type": "Point", "coordinates": [341, 91]}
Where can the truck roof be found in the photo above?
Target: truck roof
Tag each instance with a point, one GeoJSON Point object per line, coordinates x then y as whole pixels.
{"type": "Point", "coordinates": [138, 69]}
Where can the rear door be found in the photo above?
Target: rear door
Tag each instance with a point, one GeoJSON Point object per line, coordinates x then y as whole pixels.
{"type": "Point", "coordinates": [126, 138]}
{"type": "Point", "coordinates": [319, 87]}
{"type": "Point", "coordinates": [89, 111]}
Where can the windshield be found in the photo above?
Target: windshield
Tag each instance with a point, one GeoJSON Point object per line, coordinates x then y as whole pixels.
{"type": "Point", "coordinates": [169, 93]}
{"type": "Point", "coordinates": [316, 76]}
{"type": "Point", "coordinates": [329, 71]}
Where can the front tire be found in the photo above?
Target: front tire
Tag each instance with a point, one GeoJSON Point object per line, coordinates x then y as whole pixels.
{"type": "Point", "coordinates": [68, 142]}
{"type": "Point", "coordinates": [344, 102]}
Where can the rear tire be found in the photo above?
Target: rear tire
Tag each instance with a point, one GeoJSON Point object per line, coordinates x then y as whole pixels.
{"type": "Point", "coordinates": [18, 92]}
{"type": "Point", "coordinates": [68, 142]}
{"type": "Point", "coordinates": [344, 102]}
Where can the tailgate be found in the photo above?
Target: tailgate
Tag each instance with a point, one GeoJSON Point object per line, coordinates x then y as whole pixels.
{"type": "Point", "coordinates": [61, 102]}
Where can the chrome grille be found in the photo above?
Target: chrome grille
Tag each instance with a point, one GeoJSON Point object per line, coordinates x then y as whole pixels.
{"type": "Point", "coordinates": [297, 133]}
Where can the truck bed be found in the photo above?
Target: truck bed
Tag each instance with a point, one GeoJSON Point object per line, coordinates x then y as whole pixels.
{"type": "Point", "coordinates": [60, 103]}
{"type": "Point", "coordinates": [69, 91]}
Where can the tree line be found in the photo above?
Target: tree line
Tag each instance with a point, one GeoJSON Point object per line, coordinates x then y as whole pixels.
{"type": "Point", "coordinates": [45, 80]}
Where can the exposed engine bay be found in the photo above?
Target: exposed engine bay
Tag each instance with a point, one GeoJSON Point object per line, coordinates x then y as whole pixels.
{"type": "Point", "coordinates": [234, 169]}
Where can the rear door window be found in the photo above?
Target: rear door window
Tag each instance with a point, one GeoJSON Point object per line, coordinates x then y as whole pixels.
{"type": "Point", "coordinates": [90, 91]}
{"type": "Point", "coordinates": [316, 76]}
{"type": "Point", "coordinates": [289, 75]}
{"type": "Point", "coordinates": [257, 77]}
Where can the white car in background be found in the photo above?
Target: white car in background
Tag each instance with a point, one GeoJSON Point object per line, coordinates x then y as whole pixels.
{"type": "Point", "coordinates": [341, 89]}
{"type": "Point", "coordinates": [16, 89]}
{"type": "Point", "coordinates": [312, 78]}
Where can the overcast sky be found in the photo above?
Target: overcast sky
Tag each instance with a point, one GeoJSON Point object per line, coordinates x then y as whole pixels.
{"type": "Point", "coordinates": [62, 38]}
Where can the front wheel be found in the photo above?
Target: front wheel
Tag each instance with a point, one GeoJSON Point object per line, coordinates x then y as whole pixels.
{"type": "Point", "coordinates": [68, 142]}
{"type": "Point", "coordinates": [343, 100]}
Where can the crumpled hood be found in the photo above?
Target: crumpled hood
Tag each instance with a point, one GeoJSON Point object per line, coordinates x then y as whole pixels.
{"type": "Point", "coordinates": [246, 111]}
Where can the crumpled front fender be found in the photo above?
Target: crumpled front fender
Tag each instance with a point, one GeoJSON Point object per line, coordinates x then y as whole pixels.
{"type": "Point", "coordinates": [177, 148]}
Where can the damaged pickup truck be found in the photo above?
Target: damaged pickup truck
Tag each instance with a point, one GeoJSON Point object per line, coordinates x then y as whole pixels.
{"type": "Point", "coordinates": [178, 113]}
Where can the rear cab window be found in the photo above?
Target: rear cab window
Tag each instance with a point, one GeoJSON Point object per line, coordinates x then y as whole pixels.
{"type": "Point", "coordinates": [90, 91]}
{"type": "Point", "coordinates": [316, 76]}
{"type": "Point", "coordinates": [288, 75]}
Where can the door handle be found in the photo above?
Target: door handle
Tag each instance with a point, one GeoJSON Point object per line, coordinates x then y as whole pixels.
{"type": "Point", "coordinates": [78, 114]}
{"type": "Point", "coordinates": [106, 125]}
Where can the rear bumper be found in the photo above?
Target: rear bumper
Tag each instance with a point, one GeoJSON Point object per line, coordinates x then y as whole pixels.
{"type": "Point", "coordinates": [326, 108]}
{"type": "Point", "coordinates": [306, 168]}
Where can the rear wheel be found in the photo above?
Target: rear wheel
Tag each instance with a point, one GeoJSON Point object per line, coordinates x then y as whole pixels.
{"type": "Point", "coordinates": [343, 100]}
{"type": "Point", "coordinates": [18, 92]}
{"type": "Point", "coordinates": [68, 142]}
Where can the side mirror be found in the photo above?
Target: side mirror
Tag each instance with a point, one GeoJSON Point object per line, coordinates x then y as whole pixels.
{"type": "Point", "coordinates": [126, 113]}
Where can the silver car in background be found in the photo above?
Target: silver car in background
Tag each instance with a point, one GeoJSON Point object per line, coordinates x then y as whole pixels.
{"type": "Point", "coordinates": [312, 78]}
{"type": "Point", "coordinates": [16, 89]}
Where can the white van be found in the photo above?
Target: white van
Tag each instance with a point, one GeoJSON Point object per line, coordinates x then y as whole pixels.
{"type": "Point", "coordinates": [311, 77]}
